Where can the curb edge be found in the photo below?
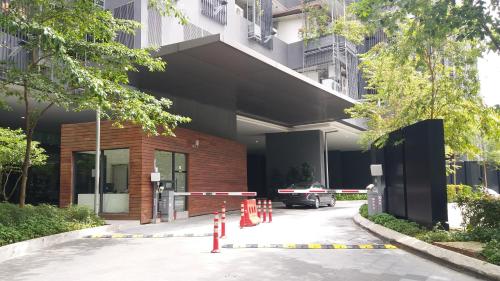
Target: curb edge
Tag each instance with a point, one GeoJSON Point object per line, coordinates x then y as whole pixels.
{"type": "Point", "coordinates": [466, 263]}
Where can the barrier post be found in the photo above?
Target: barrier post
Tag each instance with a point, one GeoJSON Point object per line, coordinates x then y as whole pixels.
{"type": "Point", "coordinates": [264, 210]}
{"type": "Point", "coordinates": [270, 210]}
{"type": "Point", "coordinates": [258, 208]}
{"type": "Point", "coordinates": [242, 218]}
{"type": "Point", "coordinates": [223, 221]}
{"type": "Point", "coordinates": [216, 234]}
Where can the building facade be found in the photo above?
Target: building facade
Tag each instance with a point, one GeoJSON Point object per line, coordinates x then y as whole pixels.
{"type": "Point", "coordinates": [266, 110]}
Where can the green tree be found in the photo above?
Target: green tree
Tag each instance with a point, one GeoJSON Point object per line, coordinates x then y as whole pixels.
{"type": "Point", "coordinates": [474, 20]}
{"type": "Point", "coordinates": [489, 139]}
{"type": "Point", "coordinates": [75, 63]}
{"type": "Point", "coordinates": [416, 80]}
{"type": "Point", "coordinates": [12, 149]}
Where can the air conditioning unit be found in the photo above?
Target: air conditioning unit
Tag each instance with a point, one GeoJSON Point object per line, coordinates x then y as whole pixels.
{"type": "Point", "coordinates": [239, 11]}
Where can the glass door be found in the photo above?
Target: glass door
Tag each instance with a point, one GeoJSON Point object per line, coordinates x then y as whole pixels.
{"type": "Point", "coordinates": [180, 202]}
{"type": "Point", "coordinates": [173, 171]}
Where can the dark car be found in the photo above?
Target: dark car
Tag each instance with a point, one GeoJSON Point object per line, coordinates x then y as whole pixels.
{"type": "Point", "coordinates": [307, 194]}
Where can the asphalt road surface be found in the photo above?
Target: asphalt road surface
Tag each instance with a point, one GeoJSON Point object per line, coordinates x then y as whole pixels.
{"type": "Point", "coordinates": [189, 258]}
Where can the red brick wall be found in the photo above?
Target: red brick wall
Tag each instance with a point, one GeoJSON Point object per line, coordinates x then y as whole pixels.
{"type": "Point", "coordinates": [217, 164]}
{"type": "Point", "coordinates": [81, 137]}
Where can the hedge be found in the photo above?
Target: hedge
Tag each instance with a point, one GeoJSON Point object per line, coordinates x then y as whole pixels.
{"type": "Point", "coordinates": [19, 224]}
{"type": "Point", "coordinates": [480, 212]}
{"type": "Point", "coordinates": [349, 196]}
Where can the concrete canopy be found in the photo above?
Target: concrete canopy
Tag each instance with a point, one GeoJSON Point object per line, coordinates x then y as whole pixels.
{"type": "Point", "coordinates": [214, 71]}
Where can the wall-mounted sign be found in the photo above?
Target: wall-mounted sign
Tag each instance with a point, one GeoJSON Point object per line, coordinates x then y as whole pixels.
{"type": "Point", "coordinates": [155, 177]}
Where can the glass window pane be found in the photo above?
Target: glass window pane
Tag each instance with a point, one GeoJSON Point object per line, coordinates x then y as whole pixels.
{"type": "Point", "coordinates": [180, 186]}
{"type": "Point", "coordinates": [180, 162]}
{"type": "Point", "coordinates": [115, 186]}
{"type": "Point", "coordinates": [163, 161]}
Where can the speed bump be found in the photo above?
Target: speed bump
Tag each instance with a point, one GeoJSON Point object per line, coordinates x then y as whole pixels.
{"type": "Point", "coordinates": [311, 246]}
{"type": "Point", "coordinates": [156, 235]}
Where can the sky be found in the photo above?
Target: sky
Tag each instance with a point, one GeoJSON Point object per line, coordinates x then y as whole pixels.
{"type": "Point", "coordinates": [489, 76]}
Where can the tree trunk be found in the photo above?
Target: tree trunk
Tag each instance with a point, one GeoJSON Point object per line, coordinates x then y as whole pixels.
{"type": "Point", "coordinates": [454, 169]}
{"type": "Point", "coordinates": [27, 154]}
{"type": "Point", "coordinates": [24, 171]}
{"type": "Point", "coordinates": [485, 175]}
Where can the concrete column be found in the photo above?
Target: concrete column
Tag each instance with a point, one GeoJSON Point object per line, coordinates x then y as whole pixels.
{"type": "Point", "coordinates": [289, 157]}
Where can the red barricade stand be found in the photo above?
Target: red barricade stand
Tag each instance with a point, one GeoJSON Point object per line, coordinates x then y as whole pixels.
{"type": "Point", "coordinates": [249, 215]}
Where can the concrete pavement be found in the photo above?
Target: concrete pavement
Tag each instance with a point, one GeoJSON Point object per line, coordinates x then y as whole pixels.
{"type": "Point", "coordinates": [190, 258]}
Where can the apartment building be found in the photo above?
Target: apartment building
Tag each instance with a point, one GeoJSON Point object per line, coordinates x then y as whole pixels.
{"type": "Point", "coordinates": [267, 110]}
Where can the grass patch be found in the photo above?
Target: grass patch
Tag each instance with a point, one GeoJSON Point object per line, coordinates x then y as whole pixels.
{"type": "Point", "coordinates": [348, 196]}
{"type": "Point", "coordinates": [19, 224]}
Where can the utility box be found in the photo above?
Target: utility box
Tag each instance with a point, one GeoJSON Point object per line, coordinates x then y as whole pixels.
{"type": "Point", "coordinates": [375, 200]}
{"type": "Point", "coordinates": [167, 205]}
{"type": "Point", "coordinates": [376, 191]}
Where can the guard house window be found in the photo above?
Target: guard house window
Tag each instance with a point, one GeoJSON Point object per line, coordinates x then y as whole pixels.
{"type": "Point", "coordinates": [114, 180]}
{"type": "Point", "coordinates": [173, 174]}
{"type": "Point", "coordinates": [215, 9]}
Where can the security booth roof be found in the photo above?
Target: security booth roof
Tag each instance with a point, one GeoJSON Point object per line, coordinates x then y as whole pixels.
{"type": "Point", "coordinates": [213, 71]}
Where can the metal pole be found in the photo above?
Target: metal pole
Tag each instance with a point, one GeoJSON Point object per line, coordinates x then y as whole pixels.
{"type": "Point", "coordinates": [155, 202]}
{"type": "Point", "coordinates": [326, 162]}
{"type": "Point", "coordinates": [97, 159]}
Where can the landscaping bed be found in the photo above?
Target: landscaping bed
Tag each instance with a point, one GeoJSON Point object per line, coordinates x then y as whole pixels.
{"type": "Point", "coordinates": [19, 224]}
{"type": "Point", "coordinates": [480, 213]}
{"type": "Point", "coordinates": [349, 197]}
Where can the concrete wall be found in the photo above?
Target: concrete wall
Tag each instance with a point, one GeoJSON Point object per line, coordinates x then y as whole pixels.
{"type": "Point", "coordinates": [256, 174]}
{"type": "Point", "coordinates": [285, 154]}
{"type": "Point", "coordinates": [210, 119]}
{"type": "Point", "coordinates": [288, 28]}
{"type": "Point", "coordinates": [236, 29]}
{"type": "Point", "coordinates": [349, 169]}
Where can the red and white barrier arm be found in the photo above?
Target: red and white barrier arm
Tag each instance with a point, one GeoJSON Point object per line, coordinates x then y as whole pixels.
{"type": "Point", "coordinates": [216, 193]}
{"type": "Point", "coordinates": [285, 191]}
{"type": "Point", "coordinates": [349, 191]}
{"type": "Point", "coordinates": [345, 191]}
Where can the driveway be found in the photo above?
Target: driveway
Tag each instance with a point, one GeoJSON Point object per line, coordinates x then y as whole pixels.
{"type": "Point", "coordinates": [189, 258]}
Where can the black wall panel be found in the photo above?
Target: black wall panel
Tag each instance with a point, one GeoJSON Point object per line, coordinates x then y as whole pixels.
{"type": "Point", "coordinates": [394, 178]}
{"type": "Point", "coordinates": [414, 173]}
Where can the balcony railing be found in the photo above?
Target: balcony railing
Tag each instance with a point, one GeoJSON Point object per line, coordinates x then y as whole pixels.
{"type": "Point", "coordinates": [215, 9]}
{"type": "Point", "coordinates": [12, 54]}
{"type": "Point", "coordinates": [260, 21]}
{"type": "Point", "coordinates": [125, 12]}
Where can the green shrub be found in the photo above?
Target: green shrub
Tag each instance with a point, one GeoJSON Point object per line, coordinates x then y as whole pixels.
{"type": "Point", "coordinates": [363, 210]}
{"type": "Point", "coordinates": [348, 196]}
{"type": "Point", "coordinates": [492, 251]}
{"type": "Point", "coordinates": [453, 191]}
{"type": "Point", "coordinates": [437, 234]}
{"type": "Point", "coordinates": [18, 224]}
{"type": "Point", "coordinates": [480, 211]}
{"type": "Point", "coordinates": [399, 225]}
